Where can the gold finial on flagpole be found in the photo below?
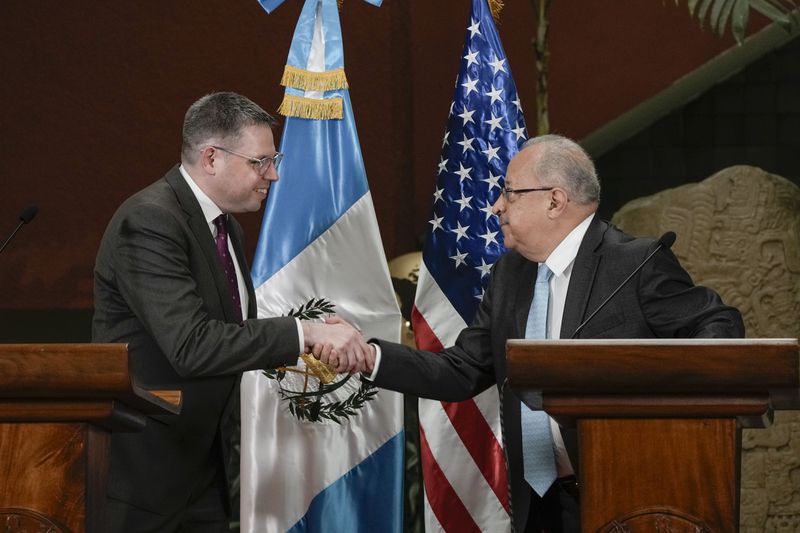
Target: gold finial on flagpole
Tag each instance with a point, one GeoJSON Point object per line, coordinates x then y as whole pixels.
{"type": "Point", "coordinates": [495, 6]}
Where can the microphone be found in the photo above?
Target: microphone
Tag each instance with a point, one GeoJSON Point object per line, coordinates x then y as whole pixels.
{"type": "Point", "coordinates": [25, 217]}
{"type": "Point", "coordinates": [665, 241]}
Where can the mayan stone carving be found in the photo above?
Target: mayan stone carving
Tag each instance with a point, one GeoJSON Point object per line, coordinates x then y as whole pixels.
{"type": "Point", "coordinates": [739, 233]}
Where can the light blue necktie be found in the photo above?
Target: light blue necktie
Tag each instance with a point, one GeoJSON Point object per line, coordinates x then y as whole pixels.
{"type": "Point", "coordinates": [537, 440]}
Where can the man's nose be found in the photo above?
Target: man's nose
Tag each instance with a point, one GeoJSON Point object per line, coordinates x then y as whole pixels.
{"type": "Point", "coordinates": [271, 174]}
{"type": "Point", "coordinates": [497, 207]}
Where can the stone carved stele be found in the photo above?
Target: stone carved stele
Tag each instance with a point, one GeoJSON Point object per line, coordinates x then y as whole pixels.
{"type": "Point", "coordinates": [739, 233]}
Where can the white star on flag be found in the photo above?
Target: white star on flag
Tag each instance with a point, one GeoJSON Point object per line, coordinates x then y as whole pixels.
{"type": "Point", "coordinates": [489, 237]}
{"type": "Point", "coordinates": [460, 258]}
{"type": "Point", "coordinates": [491, 152]}
{"type": "Point", "coordinates": [471, 58]}
{"type": "Point", "coordinates": [498, 65]}
{"type": "Point", "coordinates": [464, 173]}
{"type": "Point", "coordinates": [474, 29]}
{"type": "Point", "coordinates": [484, 268]}
{"type": "Point", "coordinates": [494, 123]}
{"type": "Point", "coordinates": [470, 85]}
{"type": "Point", "coordinates": [487, 209]}
{"type": "Point", "coordinates": [464, 202]}
{"type": "Point", "coordinates": [519, 131]}
{"type": "Point", "coordinates": [460, 231]}
{"type": "Point", "coordinates": [493, 181]}
{"type": "Point", "coordinates": [467, 143]}
{"type": "Point", "coordinates": [495, 94]}
{"type": "Point", "coordinates": [466, 116]}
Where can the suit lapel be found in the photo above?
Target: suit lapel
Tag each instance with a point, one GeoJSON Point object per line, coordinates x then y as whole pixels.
{"type": "Point", "coordinates": [582, 278]}
{"type": "Point", "coordinates": [202, 233]}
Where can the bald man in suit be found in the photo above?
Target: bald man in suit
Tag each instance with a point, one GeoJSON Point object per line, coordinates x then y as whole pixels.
{"type": "Point", "coordinates": [548, 217]}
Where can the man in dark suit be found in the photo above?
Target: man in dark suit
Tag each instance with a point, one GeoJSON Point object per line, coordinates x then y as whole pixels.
{"type": "Point", "coordinates": [547, 214]}
{"type": "Point", "coordinates": [172, 282]}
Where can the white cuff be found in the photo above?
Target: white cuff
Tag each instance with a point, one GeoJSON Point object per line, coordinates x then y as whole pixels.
{"type": "Point", "coordinates": [377, 361]}
{"type": "Point", "coordinates": [300, 336]}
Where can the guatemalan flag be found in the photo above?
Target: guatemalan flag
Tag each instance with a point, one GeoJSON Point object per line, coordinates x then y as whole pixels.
{"type": "Point", "coordinates": [311, 461]}
{"type": "Point", "coordinates": [460, 443]}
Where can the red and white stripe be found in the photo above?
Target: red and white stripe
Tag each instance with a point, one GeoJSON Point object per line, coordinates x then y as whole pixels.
{"type": "Point", "coordinates": [461, 448]}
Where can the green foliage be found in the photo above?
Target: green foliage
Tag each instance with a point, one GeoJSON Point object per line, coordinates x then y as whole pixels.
{"type": "Point", "coordinates": [315, 410]}
{"type": "Point", "coordinates": [312, 309]}
{"type": "Point", "coordinates": [719, 12]}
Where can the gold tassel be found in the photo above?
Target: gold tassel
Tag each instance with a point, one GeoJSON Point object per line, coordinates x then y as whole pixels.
{"type": "Point", "coordinates": [302, 107]}
{"type": "Point", "coordinates": [496, 6]}
{"type": "Point", "coordinates": [306, 80]}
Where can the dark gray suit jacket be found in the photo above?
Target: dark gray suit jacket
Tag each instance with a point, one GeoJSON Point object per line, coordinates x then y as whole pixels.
{"type": "Point", "coordinates": [660, 301]}
{"type": "Point", "coordinates": [159, 287]}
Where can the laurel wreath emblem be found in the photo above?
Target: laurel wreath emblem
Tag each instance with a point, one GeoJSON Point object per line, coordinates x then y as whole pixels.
{"type": "Point", "coordinates": [319, 381]}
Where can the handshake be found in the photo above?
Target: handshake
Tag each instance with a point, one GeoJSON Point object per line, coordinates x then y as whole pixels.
{"type": "Point", "coordinates": [339, 345]}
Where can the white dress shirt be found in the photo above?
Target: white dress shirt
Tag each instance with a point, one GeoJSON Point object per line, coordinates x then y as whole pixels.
{"type": "Point", "coordinates": [561, 261]}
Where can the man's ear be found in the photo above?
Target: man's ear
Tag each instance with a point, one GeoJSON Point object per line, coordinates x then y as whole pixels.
{"type": "Point", "coordinates": [558, 202]}
{"type": "Point", "coordinates": [208, 160]}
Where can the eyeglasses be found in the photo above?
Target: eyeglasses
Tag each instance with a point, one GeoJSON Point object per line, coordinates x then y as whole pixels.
{"type": "Point", "coordinates": [508, 190]}
{"type": "Point", "coordinates": [262, 165]}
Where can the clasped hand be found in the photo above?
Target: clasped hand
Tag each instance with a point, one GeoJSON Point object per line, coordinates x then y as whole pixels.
{"type": "Point", "coordinates": [339, 345]}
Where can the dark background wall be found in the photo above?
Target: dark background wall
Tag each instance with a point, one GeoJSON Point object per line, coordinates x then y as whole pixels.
{"type": "Point", "coordinates": [752, 118]}
{"type": "Point", "coordinates": [94, 93]}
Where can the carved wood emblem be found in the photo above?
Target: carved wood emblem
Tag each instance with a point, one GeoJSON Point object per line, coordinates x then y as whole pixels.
{"type": "Point", "coordinates": [656, 520]}
{"type": "Point", "coordinates": [26, 521]}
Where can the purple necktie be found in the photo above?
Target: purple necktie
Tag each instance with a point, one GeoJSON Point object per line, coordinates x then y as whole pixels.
{"type": "Point", "coordinates": [227, 264]}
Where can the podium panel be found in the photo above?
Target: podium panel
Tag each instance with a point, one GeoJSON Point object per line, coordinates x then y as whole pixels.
{"type": "Point", "coordinates": [659, 421]}
{"type": "Point", "coordinates": [59, 404]}
{"type": "Point", "coordinates": [46, 468]}
{"type": "Point", "coordinates": [628, 459]}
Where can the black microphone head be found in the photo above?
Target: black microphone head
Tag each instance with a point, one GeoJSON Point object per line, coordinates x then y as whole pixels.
{"type": "Point", "coordinates": [667, 240]}
{"type": "Point", "coordinates": [28, 213]}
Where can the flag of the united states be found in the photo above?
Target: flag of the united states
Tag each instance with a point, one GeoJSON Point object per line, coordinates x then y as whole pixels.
{"type": "Point", "coordinates": [463, 467]}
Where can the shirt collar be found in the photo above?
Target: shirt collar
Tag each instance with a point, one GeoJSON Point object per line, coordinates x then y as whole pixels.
{"type": "Point", "coordinates": [210, 209]}
{"type": "Point", "coordinates": [566, 251]}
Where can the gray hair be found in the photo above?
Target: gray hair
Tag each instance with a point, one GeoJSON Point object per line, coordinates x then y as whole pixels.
{"type": "Point", "coordinates": [219, 116]}
{"type": "Point", "coordinates": [563, 162]}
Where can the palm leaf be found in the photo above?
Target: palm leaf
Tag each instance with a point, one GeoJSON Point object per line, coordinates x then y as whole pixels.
{"type": "Point", "coordinates": [720, 12]}
{"type": "Point", "coordinates": [741, 15]}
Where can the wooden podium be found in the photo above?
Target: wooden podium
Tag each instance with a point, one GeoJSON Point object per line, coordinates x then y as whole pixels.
{"type": "Point", "coordinates": [659, 421]}
{"type": "Point", "coordinates": [59, 404]}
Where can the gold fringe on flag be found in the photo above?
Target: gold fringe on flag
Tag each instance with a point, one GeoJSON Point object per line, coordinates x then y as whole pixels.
{"type": "Point", "coordinates": [302, 107]}
{"type": "Point", "coordinates": [306, 80]}
{"type": "Point", "coordinates": [496, 6]}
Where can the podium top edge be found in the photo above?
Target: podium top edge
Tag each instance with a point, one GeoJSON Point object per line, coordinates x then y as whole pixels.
{"type": "Point", "coordinates": [659, 342]}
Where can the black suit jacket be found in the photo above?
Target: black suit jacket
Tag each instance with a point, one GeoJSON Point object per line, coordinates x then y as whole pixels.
{"type": "Point", "coordinates": [660, 301]}
{"type": "Point", "coordinates": [159, 287]}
